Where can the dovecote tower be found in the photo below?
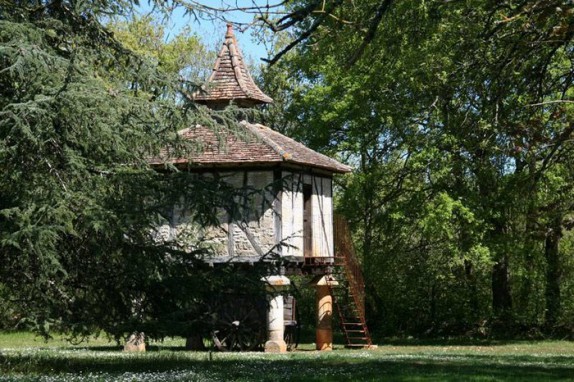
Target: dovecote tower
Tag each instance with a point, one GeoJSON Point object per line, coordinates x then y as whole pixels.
{"type": "Point", "coordinates": [293, 216]}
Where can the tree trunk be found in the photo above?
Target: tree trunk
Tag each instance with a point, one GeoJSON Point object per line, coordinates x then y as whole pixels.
{"type": "Point", "coordinates": [368, 197]}
{"type": "Point", "coordinates": [524, 301]}
{"type": "Point", "coordinates": [501, 297]}
{"type": "Point", "coordinates": [553, 271]}
{"type": "Point", "coordinates": [471, 283]}
{"type": "Point", "coordinates": [194, 342]}
{"type": "Point", "coordinates": [433, 307]}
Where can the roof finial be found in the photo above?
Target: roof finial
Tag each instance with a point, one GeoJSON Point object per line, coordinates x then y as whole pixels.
{"type": "Point", "coordinates": [229, 30]}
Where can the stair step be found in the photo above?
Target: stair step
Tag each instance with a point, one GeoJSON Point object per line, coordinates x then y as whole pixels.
{"type": "Point", "coordinates": [349, 295]}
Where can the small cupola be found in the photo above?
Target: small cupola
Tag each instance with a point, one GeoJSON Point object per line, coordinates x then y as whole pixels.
{"type": "Point", "coordinates": [230, 81]}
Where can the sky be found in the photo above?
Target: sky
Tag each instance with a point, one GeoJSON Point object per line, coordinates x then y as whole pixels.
{"type": "Point", "coordinates": [212, 32]}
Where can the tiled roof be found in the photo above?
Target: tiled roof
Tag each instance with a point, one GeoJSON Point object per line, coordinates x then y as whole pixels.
{"type": "Point", "coordinates": [252, 144]}
{"type": "Point", "coordinates": [255, 144]}
{"type": "Point", "coordinates": [230, 79]}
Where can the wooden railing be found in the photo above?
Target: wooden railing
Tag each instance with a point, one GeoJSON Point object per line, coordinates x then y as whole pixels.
{"type": "Point", "coordinates": [346, 256]}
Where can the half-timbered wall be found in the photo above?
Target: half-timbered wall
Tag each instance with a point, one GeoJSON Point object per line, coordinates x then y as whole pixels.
{"type": "Point", "coordinates": [322, 214]}
{"type": "Point", "coordinates": [270, 222]}
{"type": "Point", "coordinates": [292, 214]}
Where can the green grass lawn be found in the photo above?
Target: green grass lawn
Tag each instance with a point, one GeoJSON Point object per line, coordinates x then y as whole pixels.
{"type": "Point", "coordinates": [26, 358]}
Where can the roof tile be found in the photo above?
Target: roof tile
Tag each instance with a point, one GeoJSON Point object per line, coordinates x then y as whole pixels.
{"type": "Point", "coordinates": [256, 144]}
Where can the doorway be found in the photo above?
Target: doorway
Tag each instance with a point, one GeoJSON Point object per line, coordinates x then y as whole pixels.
{"type": "Point", "coordinates": [307, 221]}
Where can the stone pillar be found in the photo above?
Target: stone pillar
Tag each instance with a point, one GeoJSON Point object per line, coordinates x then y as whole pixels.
{"type": "Point", "coordinates": [135, 342]}
{"type": "Point", "coordinates": [324, 330]}
{"type": "Point", "coordinates": [275, 325]}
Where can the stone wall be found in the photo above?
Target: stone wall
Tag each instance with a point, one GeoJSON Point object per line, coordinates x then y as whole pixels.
{"type": "Point", "coordinates": [254, 233]}
{"type": "Point", "coordinates": [250, 233]}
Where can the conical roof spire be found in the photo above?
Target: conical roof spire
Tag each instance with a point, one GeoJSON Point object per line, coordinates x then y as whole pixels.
{"type": "Point", "coordinates": [230, 80]}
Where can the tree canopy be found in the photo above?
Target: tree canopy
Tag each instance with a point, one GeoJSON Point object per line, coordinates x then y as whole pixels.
{"type": "Point", "coordinates": [458, 118]}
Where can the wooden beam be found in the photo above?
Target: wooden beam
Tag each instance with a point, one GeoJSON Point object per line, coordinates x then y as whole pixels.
{"type": "Point", "coordinates": [277, 209]}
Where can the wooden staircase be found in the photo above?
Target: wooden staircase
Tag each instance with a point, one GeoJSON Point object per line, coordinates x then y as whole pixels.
{"type": "Point", "coordinates": [349, 294]}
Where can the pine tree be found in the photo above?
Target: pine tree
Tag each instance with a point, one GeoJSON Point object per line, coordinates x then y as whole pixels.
{"type": "Point", "coordinates": [80, 116]}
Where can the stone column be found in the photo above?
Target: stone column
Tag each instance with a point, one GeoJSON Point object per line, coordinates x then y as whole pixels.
{"type": "Point", "coordinates": [275, 325]}
{"type": "Point", "coordinates": [324, 331]}
{"type": "Point", "coordinates": [135, 342]}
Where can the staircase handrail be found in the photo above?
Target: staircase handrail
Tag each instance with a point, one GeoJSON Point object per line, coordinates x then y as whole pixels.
{"type": "Point", "coordinates": [344, 249]}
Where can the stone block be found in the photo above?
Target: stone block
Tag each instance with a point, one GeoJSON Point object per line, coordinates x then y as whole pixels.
{"type": "Point", "coordinates": [275, 346]}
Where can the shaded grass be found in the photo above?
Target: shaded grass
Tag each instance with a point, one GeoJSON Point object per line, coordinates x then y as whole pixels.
{"type": "Point", "coordinates": [15, 339]}
{"type": "Point", "coordinates": [524, 361]}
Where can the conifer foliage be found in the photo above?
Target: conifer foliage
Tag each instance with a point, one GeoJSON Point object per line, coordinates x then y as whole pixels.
{"type": "Point", "coordinates": [80, 115]}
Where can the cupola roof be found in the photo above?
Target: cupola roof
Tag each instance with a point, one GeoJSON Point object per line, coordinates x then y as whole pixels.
{"type": "Point", "coordinates": [250, 145]}
{"type": "Point", "coordinates": [230, 80]}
